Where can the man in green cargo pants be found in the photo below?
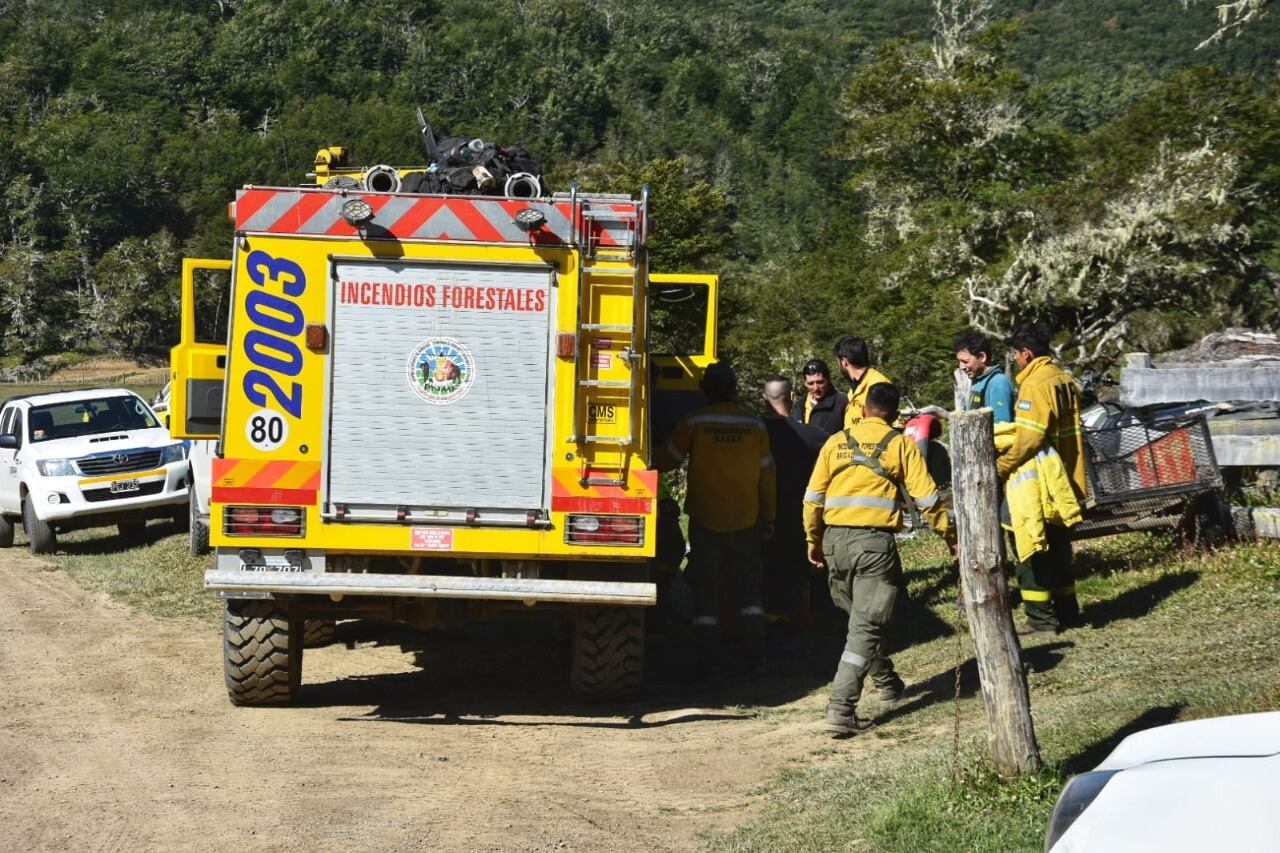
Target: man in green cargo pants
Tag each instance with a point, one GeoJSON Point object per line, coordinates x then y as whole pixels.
{"type": "Point", "coordinates": [851, 512]}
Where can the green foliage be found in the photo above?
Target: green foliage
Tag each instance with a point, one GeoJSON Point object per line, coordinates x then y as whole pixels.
{"type": "Point", "coordinates": [807, 152]}
{"type": "Point", "coordinates": [139, 294]}
{"type": "Point", "coordinates": [688, 212]}
{"type": "Point", "coordinates": [34, 293]}
{"type": "Point", "coordinates": [968, 206]}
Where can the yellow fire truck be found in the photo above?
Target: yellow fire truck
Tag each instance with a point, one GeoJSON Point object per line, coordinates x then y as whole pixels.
{"type": "Point", "coordinates": [431, 409]}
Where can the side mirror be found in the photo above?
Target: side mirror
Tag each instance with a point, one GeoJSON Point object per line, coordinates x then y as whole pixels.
{"type": "Point", "coordinates": [9, 441]}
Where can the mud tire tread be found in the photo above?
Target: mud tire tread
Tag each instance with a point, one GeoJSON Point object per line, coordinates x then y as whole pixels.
{"type": "Point", "coordinates": [40, 535]}
{"type": "Point", "coordinates": [6, 531]}
{"type": "Point", "coordinates": [608, 653]}
{"type": "Point", "coordinates": [262, 658]}
{"type": "Point", "coordinates": [320, 632]}
{"type": "Point", "coordinates": [198, 534]}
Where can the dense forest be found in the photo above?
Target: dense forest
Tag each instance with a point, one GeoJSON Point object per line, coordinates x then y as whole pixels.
{"type": "Point", "coordinates": [893, 168]}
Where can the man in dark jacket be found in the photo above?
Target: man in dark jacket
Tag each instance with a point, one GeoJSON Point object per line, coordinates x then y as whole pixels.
{"type": "Point", "coordinates": [794, 446]}
{"type": "Point", "coordinates": [820, 406]}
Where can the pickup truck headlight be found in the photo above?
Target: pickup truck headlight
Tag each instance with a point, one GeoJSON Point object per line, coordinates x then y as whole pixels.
{"type": "Point", "coordinates": [56, 467]}
{"type": "Point", "coordinates": [1079, 792]}
{"type": "Point", "coordinates": [172, 453]}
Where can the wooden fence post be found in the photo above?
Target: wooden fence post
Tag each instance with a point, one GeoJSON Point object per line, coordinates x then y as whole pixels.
{"type": "Point", "coordinates": [1010, 734]}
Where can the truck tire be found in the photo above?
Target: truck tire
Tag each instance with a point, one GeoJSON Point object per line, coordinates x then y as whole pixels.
{"type": "Point", "coordinates": [1205, 523]}
{"type": "Point", "coordinates": [261, 652]}
{"type": "Point", "coordinates": [320, 632]}
{"type": "Point", "coordinates": [608, 653]}
{"type": "Point", "coordinates": [132, 532]}
{"type": "Point", "coordinates": [40, 536]}
{"type": "Point", "coordinates": [198, 535]}
{"type": "Point", "coordinates": [181, 518]}
{"type": "Point", "coordinates": [6, 531]}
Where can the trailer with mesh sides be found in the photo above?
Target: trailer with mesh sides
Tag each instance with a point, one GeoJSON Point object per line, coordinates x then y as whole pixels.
{"type": "Point", "coordinates": [1147, 475]}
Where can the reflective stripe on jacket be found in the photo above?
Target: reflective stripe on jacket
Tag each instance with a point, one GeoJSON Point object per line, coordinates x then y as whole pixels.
{"type": "Point", "coordinates": [731, 474]}
{"type": "Point", "coordinates": [859, 497]}
{"type": "Point", "coordinates": [1047, 414]}
{"type": "Point", "coordinates": [1038, 493]}
{"type": "Point", "coordinates": [858, 395]}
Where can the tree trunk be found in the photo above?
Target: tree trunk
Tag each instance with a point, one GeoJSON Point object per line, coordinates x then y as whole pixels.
{"type": "Point", "coordinates": [1010, 734]}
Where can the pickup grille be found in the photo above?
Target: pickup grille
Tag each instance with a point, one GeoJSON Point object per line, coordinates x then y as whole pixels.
{"type": "Point", "coordinates": [118, 463]}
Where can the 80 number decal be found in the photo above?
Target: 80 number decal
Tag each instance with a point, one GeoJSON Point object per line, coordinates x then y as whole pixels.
{"type": "Point", "coordinates": [266, 429]}
{"type": "Point", "coordinates": [271, 347]}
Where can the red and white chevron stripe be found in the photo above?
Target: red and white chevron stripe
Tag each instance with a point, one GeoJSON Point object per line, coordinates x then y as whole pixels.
{"type": "Point", "coordinates": [318, 212]}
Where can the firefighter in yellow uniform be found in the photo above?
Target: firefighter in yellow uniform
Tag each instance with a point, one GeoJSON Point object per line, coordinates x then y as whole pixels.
{"type": "Point", "coordinates": [731, 504]}
{"type": "Point", "coordinates": [851, 512]}
{"type": "Point", "coordinates": [854, 359]}
{"type": "Point", "coordinates": [1046, 414]}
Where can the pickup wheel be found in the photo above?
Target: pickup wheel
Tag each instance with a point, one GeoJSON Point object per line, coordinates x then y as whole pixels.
{"type": "Point", "coordinates": [261, 652]}
{"type": "Point", "coordinates": [6, 531]}
{"type": "Point", "coordinates": [199, 529]}
{"type": "Point", "coordinates": [608, 653]}
{"type": "Point", "coordinates": [132, 532]}
{"type": "Point", "coordinates": [40, 535]}
{"type": "Point", "coordinates": [320, 632]}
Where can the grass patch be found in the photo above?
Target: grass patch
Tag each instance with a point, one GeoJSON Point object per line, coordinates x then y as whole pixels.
{"type": "Point", "coordinates": [1171, 635]}
{"type": "Point", "coordinates": [159, 577]}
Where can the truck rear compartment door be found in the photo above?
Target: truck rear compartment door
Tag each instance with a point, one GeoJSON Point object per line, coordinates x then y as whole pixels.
{"type": "Point", "coordinates": [197, 365]}
{"type": "Point", "coordinates": [683, 310]}
{"type": "Point", "coordinates": [439, 391]}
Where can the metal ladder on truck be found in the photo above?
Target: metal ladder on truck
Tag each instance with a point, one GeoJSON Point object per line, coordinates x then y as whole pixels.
{"type": "Point", "coordinates": [609, 231]}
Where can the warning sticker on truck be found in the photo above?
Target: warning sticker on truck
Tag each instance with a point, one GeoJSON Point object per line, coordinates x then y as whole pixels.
{"type": "Point", "coordinates": [431, 539]}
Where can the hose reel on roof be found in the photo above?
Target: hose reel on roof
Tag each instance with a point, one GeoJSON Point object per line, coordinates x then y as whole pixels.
{"type": "Point", "coordinates": [522, 185]}
{"type": "Point", "coordinates": [382, 179]}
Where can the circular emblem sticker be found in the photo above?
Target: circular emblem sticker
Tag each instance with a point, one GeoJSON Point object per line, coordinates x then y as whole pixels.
{"type": "Point", "coordinates": [441, 370]}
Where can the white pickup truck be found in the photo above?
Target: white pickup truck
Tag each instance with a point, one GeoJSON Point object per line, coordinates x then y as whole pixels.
{"type": "Point", "coordinates": [86, 459]}
{"type": "Point", "coordinates": [200, 453]}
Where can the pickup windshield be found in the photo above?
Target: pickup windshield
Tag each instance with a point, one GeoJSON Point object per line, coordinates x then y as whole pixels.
{"type": "Point", "coordinates": [89, 417]}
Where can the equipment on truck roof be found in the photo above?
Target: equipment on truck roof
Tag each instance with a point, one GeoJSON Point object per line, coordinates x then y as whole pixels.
{"type": "Point", "coordinates": [457, 165]}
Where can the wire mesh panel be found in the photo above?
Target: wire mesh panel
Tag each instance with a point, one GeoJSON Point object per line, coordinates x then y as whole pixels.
{"type": "Point", "coordinates": [1134, 460]}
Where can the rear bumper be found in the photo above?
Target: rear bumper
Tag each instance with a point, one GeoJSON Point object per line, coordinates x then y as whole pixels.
{"type": "Point", "coordinates": [528, 590]}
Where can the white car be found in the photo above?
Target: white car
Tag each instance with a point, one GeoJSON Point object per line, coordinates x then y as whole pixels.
{"type": "Point", "coordinates": [86, 459]}
{"type": "Point", "coordinates": [1196, 786]}
{"type": "Point", "coordinates": [200, 455]}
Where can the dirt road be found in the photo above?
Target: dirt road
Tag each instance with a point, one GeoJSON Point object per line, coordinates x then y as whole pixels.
{"type": "Point", "coordinates": [115, 734]}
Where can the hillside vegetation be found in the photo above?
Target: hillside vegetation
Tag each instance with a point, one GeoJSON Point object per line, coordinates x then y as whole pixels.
{"type": "Point", "coordinates": [872, 167]}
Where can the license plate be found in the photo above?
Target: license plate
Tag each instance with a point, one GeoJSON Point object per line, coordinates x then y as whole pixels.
{"type": "Point", "coordinates": [119, 486]}
{"type": "Point", "coordinates": [271, 563]}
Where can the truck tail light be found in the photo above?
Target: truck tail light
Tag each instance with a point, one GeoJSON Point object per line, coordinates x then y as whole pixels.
{"type": "Point", "coordinates": [263, 521]}
{"type": "Point", "coordinates": [604, 530]}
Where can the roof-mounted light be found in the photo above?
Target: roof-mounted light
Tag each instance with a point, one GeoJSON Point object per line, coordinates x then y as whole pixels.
{"type": "Point", "coordinates": [357, 213]}
{"type": "Point", "coordinates": [529, 219]}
